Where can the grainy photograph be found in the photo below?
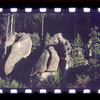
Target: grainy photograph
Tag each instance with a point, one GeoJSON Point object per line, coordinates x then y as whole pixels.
{"type": "Point", "coordinates": [50, 50]}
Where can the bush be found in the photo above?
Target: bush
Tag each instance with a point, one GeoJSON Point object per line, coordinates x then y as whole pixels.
{"type": "Point", "coordinates": [7, 83]}
{"type": "Point", "coordinates": [35, 41]}
{"type": "Point", "coordinates": [94, 62]}
{"type": "Point", "coordinates": [53, 81]}
{"type": "Point", "coordinates": [81, 82]}
{"type": "Point", "coordinates": [47, 38]}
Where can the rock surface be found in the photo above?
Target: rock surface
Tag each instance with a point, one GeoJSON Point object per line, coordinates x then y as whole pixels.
{"type": "Point", "coordinates": [41, 65]}
{"type": "Point", "coordinates": [19, 50]}
{"type": "Point", "coordinates": [54, 59]}
{"type": "Point", "coordinates": [59, 50]}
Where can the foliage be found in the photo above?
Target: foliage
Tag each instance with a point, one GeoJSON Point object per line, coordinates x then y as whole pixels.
{"type": "Point", "coordinates": [35, 41]}
{"type": "Point", "coordinates": [8, 83]}
{"type": "Point", "coordinates": [77, 52]}
{"type": "Point", "coordinates": [78, 41]}
{"type": "Point", "coordinates": [94, 42]}
{"type": "Point", "coordinates": [47, 38]}
{"type": "Point", "coordinates": [81, 81]}
{"type": "Point", "coordinates": [54, 81]}
{"type": "Point", "coordinates": [94, 47]}
{"type": "Point", "coordinates": [94, 62]}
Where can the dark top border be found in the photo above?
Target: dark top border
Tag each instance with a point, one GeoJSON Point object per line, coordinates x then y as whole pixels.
{"type": "Point", "coordinates": [49, 4]}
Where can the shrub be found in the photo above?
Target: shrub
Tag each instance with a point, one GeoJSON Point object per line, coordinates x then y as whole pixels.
{"type": "Point", "coordinates": [35, 41]}
{"type": "Point", "coordinates": [94, 62]}
{"type": "Point", "coordinates": [8, 83]}
{"type": "Point", "coordinates": [47, 38]}
{"type": "Point", "coordinates": [53, 81]}
{"type": "Point", "coordinates": [81, 82]}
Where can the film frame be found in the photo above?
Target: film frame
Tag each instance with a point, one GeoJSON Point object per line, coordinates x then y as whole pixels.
{"type": "Point", "coordinates": [48, 10]}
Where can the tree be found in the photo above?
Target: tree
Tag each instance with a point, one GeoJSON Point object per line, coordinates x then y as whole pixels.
{"type": "Point", "coordinates": [11, 24]}
{"type": "Point", "coordinates": [7, 32]}
{"type": "Point", "coordinates": [94, 47]}
{"type": "Point", "coordinates": [94, 43]}
{"type": "Point", "coordinates": [77, 52]}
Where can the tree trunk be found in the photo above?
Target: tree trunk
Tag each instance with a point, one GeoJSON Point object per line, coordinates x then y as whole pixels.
{"type": "Point", "coordinates": [7, 33]}
{"type": "Point", "coordinates": [42, 26]}
{"type": "Point", "coordinates": [11, 24]}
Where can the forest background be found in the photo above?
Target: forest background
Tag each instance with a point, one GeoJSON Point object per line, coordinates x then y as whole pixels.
{"type": "Point", "coordinates": [81, 29]}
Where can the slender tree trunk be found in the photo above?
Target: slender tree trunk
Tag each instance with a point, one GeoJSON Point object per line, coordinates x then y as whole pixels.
{"type": "Point", "coordinates": [42, 38]}
{"type": "Point", "coordinates": [43, 16]}
{"type": "Point", "coordinates": [11, 24]}
{"type": "Point", "coordinates": [7, 33]}
{"type": "Point", "coordinates": [42, 26]}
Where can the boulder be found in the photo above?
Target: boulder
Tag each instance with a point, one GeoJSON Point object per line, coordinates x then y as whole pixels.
{"type": "Point", "coordinates": [11, 39]}
{"type": "Point", "coordinates": [43, 76]}
{"type": "Point", "coordinates": [41, 64]}
{"type": "Point", "coordinates": [69, 62]}
{"type": "Point", "coordinates": [54, 59]}
{"type": "Point", "coordinates": [56, 55]}
{"type": "Point", "coordinates": [56, 39]}
{"type": "Point", "coordinates": [19, 50]}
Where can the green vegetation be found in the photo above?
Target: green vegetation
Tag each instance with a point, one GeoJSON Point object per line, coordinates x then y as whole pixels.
{"type": "Point", "coordinates": [47, 38]}
{"type": "Point", "coordinates": [94, 42]}
{"type": "Point", "coordinates": [94, 47]}
{"type": "Point", "coordinates": [52, 23]}
{"type": "Point", "coordinates": [78, 52]}
{"type": "Point", "coordinates": [54, 81]}
{"type": "Point", "coordinates": [8, 83]}
{"type": "Point", "coordinates": [81, 82]}
{"type": "Point", "coordinates": [35, 41]}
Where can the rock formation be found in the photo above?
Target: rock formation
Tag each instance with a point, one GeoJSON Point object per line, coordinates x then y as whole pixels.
{"type": "Point", "coordinates": [19, 50]}
{"type": "Point", "coordinates": [54, 59]}
{"type": "Point", "coordinates": [58, 49]}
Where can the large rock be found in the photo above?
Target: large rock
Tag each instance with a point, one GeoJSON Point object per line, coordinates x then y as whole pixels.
{"type": "Point", "coordinates": [20, 49]}
{"type": "Point", "coordinates": [41, 64]}
{"type": "Point", "coordinates": [56, 39]}
{"type": "Point", "coordinates": [45, 75]}
{"type": "Point", "coordinates": [54, 59]}
{"type": "Point", "coordinates": [63, 49]}
{"type": "Point", "coordinates": [11, 39]}
{"type": "Point", "coordinates": [57, 52]}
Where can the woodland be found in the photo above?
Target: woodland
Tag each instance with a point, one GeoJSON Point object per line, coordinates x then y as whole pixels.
{"type": "Point", "coordinates": [81, 29]}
